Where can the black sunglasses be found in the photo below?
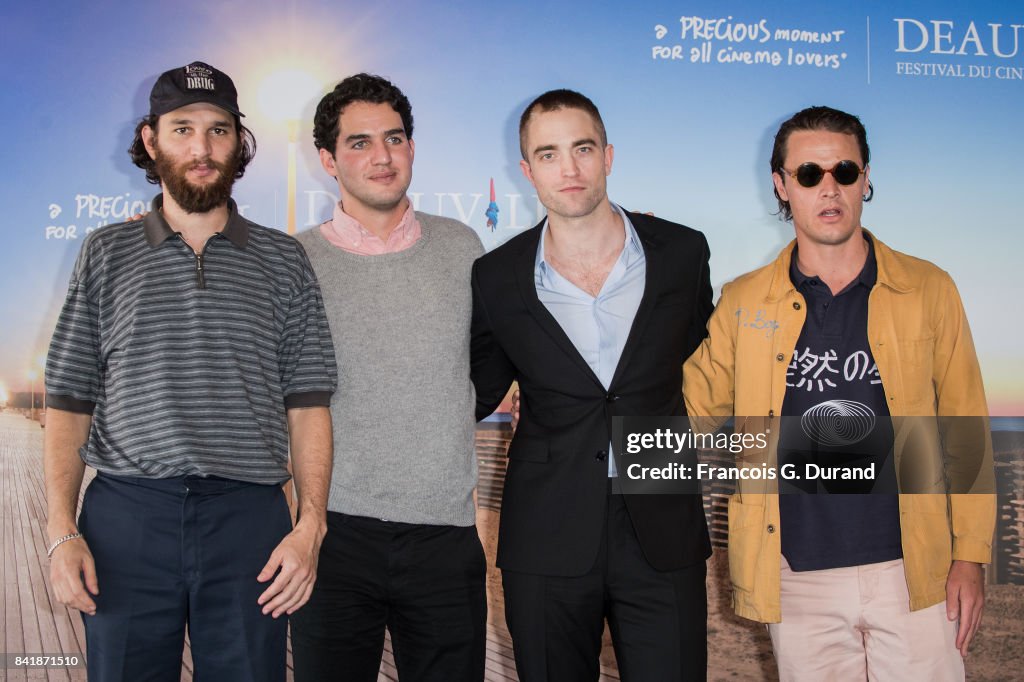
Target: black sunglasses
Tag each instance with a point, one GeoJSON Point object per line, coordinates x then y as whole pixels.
{"type": "Point", "coordinates": [810, 174]}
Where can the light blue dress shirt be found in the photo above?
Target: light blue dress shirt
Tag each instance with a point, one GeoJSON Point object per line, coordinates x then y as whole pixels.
{"type": "Point", "coordinates": [597, 326]}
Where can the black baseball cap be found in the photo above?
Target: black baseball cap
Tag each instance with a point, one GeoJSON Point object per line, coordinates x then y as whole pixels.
{"type": "Point", "coordinates": [197, 82]}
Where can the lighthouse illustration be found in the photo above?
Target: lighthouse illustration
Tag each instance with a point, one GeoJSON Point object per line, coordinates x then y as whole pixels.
{"type": "Point", "coordinates": [492, 211]}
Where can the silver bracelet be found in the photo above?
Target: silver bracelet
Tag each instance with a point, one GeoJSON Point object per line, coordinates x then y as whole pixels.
{"type": "Point", "coordinates": [60, 541]}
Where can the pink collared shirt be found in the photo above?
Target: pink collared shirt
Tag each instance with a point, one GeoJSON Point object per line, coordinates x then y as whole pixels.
{"type": "Point", "coordinates": [347, 233]}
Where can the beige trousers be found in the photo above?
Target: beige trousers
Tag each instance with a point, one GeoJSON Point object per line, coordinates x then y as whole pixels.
{"type": "Point", "coordinates": [847, 624]}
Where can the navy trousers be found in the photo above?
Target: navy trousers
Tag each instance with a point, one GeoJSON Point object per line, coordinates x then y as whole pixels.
{"type": "Point", "coordinates": [176, 553]}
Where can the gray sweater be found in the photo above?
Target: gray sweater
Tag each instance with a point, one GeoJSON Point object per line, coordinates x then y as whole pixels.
{"type": "Point", "coordinates": [403, 411]}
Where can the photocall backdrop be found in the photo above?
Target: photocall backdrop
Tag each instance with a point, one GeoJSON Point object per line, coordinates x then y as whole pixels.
{"type": "Point", "coordinates": [691, 94]}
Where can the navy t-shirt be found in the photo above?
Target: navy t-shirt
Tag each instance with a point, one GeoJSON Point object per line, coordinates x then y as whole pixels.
{"type": "Point", "coordinates": [833, 374]}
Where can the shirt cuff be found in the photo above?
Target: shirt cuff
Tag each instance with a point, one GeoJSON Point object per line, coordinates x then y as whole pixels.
{"type": "Point", "coordinates": [69, 403]}
{"type": "Point", "coordinates": [309, 399]}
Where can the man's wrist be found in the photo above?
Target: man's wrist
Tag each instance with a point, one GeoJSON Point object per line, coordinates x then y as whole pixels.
{"type": "Point", "coordinates": [312, 522]}
{"type": "Point", "coordinates": [60, 541]}
{"type": "Point", "coordinates": [58, 529]}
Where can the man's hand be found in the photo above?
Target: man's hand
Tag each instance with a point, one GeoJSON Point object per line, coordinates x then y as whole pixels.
{"type": "Point", "coordinates": [72, 572]}
{"type": "Point", "coordinates": [515, 410]}
{"type": "Point", "coordinates": [965, 599]}
{"type": "Point", "coordinates": [72, 568]}
{"type": "Point", "coordinates": [294, 561]}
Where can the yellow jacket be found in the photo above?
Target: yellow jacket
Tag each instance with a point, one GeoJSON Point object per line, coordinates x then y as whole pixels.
{"type": "Point", "coordinates": [925, 356]}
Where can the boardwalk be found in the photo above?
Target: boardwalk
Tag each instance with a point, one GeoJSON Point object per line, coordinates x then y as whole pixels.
{"type": "Point", "coordinates": [33, 622]}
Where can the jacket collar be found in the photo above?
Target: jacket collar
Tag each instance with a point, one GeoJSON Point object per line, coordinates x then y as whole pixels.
{"type": "Point", "coordinates": [526, 260]}
{"type": "Point", "coordinates": [891, 272]}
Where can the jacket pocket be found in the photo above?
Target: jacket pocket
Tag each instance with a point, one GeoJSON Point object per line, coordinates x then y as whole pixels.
{"type": "Point", "coordinates": [927, 541]}
{"type": "Point", "coordinates": [528, 449]}
{"type": "Point", "coordinates": [672, 298]}
{"type": "Point", "coordinates": [917, 357]}
{"type": "Point", "coordinates": [746, 526]}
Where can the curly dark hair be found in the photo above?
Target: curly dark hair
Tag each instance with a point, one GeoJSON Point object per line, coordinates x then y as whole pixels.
{"type": "Point", "coordinates": [552, 100]}
{"type": "Point", "coordinates": [142, 159]}
{"type": "Point", "coordinates": [817, 118]}
{"type": "Point", "coordinates": [362, 87]}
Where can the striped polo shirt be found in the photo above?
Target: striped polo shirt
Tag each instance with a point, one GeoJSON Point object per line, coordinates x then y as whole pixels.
{"type": "Point", "coordinates": [188, 362]}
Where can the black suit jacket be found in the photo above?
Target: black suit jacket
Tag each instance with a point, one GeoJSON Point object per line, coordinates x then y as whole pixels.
{"type": "Point", "coordinates": [556, 484]}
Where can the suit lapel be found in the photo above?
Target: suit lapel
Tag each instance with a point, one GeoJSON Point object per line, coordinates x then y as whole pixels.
{"type": "Point", "coordinates": [525, 266]}
{"type": "Point", "coordinates": [654, 263]}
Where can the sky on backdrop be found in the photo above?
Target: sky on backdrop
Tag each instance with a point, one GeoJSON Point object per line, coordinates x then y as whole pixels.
{"type": "Point", "coordinates": [938, 87]}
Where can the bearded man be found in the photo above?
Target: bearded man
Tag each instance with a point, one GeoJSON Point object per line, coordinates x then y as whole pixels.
{"type": "Point", "coordinates": [191, 352]}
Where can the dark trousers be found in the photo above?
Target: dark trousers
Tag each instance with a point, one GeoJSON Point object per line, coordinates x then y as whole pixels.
{"type": "Point", "coordinates": [180, 552]}
{"type": "Point", "coordinates": [658, 620]}
{"type": "Point", "coordinates": [424, 583]}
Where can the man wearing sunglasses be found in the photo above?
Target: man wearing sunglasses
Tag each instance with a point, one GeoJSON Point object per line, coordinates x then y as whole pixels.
{"type": "Point", "coordinates": [879, 586]}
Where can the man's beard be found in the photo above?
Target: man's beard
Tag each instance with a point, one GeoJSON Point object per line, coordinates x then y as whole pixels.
{"type": "Point", "coordinates": [196, 198]}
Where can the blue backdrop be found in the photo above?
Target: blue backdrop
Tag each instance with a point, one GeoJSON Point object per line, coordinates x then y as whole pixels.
{"type": "Point", "coordinates": [691, 93]}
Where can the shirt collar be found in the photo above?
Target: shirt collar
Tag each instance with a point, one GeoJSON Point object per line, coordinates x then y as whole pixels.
{"type": "Point", "coordinates": [632, 247]}
{"type": "Point", "coordinates": [158, 231]}
{"type": "Point", "coordinates": [867, 277]}
{"type": "Point", "coordinates": [348, 233]}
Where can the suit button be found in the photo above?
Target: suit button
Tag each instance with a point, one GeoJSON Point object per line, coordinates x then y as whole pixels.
{"type": "Point", "coordinates": [771, 528]}
{"type": "Point", "coordinates": [611, 398]}
{"type": "Point", "coordinates": [601, 456]}
{"type": "Point", "coordinates": [780, 357]}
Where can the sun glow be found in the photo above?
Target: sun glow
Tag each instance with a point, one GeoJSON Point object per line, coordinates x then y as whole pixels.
{"type": "Point", "coordinates": [284, 94]}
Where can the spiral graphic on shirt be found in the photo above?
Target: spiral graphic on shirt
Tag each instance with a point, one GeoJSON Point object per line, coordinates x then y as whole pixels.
{"type": "Point", "coordinates": [838, 422]}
